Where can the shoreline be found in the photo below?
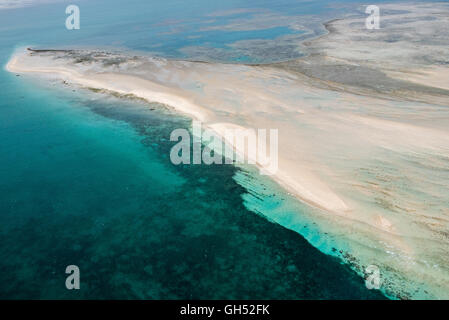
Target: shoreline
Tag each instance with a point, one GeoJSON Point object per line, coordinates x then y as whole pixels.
{"type": "Point", "coordinates": [265, 103]}
{"type": "Point", "coordinates": [330, 203]}
{"type": "Point", "coordinates": [296, 175]}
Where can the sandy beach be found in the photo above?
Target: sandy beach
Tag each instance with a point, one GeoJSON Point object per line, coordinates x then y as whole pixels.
{"type": "Point", "coordinates": [299, 181]}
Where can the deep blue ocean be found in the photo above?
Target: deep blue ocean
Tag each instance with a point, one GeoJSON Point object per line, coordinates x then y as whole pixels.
{"type": "Point", "coordinates": [85, 178]}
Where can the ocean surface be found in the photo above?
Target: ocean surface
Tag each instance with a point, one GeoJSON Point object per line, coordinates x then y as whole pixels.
{"type": "Point", "coordinates": [86, 177]}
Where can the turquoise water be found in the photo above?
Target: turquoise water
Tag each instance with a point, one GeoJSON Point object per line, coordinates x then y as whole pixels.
{"type": "Point", "coordinates": [86, 180]}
